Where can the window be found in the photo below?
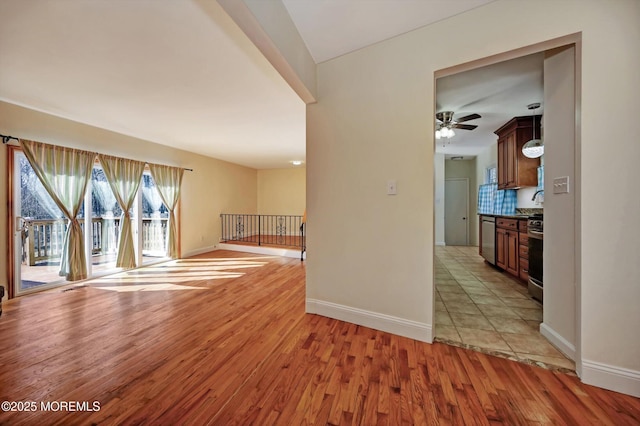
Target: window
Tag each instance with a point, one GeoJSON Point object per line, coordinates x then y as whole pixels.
{"type": "Point", "coordinates": [491, 175]}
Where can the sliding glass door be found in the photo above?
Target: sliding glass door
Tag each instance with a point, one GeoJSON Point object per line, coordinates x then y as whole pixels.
{"type": "Point", "coordinates": [39, 227]}
{"type": "Point", "coordinates": [155, 220]}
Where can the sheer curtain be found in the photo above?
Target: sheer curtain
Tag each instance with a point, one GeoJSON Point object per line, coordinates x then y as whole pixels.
{"type": "Point", "coordinates": [64, 173]}
{"type": "Point", "coordinates": [124, 177]}
{"type": "Point", "coordinates": [168, 180]}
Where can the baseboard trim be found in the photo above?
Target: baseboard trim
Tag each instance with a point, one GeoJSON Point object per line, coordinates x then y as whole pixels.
{"type": "Point", "coordinates": [199, 251]}
{"type": "Point", "coordinates": [558, 341]}
{"type": "Point", "coordinates": [272, 251]}
{"type": "Point", "coordinates": [610, 377]}
{"type": "Point", "coordinates": [440, 243]}
{"type": "Point", "coordinates": [400, 326]}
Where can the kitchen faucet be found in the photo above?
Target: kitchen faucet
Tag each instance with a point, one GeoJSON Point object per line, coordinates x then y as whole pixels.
{"type": "Point", "coordinates": [536, 194]}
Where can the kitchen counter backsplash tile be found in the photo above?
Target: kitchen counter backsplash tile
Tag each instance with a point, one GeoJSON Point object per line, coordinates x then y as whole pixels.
{"type": "Point", "coordinates": [494, 201]}
{"type": "Point", "coordinates": [529, 211]}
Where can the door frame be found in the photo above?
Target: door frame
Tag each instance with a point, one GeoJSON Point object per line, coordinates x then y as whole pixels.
{"type": "Point", "coordinates": [466, 203]}
{"type": "Point", "coordinates": [574, 39]}
{"type": "Point", "coordinates": [11, 261]}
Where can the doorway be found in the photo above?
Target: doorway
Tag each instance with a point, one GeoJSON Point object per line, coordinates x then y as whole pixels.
{"type": "Point", "coordinates": [456, 212]}
{"type": "Point", "coordinates": [461, 274]}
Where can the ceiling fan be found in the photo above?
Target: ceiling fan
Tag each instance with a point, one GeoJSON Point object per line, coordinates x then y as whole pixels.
{"type": "Point", "coordinates": [447, 123]}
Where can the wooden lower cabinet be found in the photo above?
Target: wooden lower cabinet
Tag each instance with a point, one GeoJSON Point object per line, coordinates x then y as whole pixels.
{"type": "Point", "coordinates": [501, 244]}
{"type": "Point", "coordinates": [523, 239]}
{"type": "Point", "coordinates": [512, 249]}
{"type": "Point", "coordinates": [513, 256]}
{"type": "Point", "coordinates": [507, 256]}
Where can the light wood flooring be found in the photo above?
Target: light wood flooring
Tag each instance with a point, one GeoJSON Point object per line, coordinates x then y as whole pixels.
{"type": "Point", "coordinates": [223, 339]}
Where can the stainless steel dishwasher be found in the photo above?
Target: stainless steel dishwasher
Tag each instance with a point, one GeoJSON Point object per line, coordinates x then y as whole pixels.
{"type": "Point", "coordinates": [489, 239]}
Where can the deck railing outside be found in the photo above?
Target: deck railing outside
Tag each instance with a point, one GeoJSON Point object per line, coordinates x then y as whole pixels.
{"type": "Point", "coordinates": [43, 238]}
{"type": "Point", "coordinates": [275, 230]}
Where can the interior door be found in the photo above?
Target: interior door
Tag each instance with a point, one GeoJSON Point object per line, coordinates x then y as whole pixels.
{"type": "Point", "coordinates": [456, 212]}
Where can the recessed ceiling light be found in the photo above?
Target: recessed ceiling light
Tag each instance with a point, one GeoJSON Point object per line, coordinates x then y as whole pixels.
{"type": "Point", "coordinates": [296, 162]}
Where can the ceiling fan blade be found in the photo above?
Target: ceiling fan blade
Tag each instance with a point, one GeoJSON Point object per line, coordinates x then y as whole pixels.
{"type": "Point", "coordinates": [468, 118]}
{"type": "Point", "coordinates": [464, 126]}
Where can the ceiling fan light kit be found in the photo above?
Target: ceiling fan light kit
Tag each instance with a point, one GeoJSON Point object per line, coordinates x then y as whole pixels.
{"type": "Point", "coordinates": [445, 132]}
{"type": "Point", "coordinates": [534, 148]}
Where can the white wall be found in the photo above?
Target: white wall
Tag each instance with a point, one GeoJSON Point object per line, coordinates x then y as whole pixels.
{"type": "Point", "coordinates": [439, 198]}
{"type": "Point", "coordinates": [371, 255]}
{"type": "Point", "coordinates": [466, 169]}
{"type": "Point", "coordinates": [559, 213]}
{"type": "Point", "coordinates": [525, 196]}
{"type": "Point", "coordinates": [484, 160]}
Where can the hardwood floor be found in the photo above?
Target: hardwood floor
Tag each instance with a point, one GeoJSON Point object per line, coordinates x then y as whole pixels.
{"type": "Point", "coordinates": [223, 339]}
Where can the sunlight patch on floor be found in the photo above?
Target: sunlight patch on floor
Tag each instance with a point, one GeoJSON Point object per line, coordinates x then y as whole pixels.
{"type": "Point", "coordinates": [224, 259]}
{"type": "Point", "coordinates": [162, 278]}
{"type": "Point", "coordinates": [149, 287]}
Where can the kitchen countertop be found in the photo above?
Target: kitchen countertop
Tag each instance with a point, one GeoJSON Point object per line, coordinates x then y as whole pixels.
{"type": "Point", "coordinates": [521, 213]}
{"type": "Point", "coordinates": [509, 216]}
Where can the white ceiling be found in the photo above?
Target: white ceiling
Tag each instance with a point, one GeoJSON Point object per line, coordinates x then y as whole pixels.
{"type": "Point", "coordinates": [331, 28]}
{"type": "Point", "coordinates": [181, 73]}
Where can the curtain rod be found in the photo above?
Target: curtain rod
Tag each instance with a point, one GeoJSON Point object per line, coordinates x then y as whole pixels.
{"type": "Point", "coordinates": [6, 139]}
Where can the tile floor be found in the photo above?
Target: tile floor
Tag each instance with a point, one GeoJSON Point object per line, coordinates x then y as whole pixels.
{"type": "Point", "coordinates": [478, 306]}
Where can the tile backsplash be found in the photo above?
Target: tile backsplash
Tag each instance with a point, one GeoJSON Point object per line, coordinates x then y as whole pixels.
{"type": "Point", "coordinates": [529, 211]}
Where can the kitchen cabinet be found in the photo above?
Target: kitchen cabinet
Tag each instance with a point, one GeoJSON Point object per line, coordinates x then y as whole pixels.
{"type": "Point", "coordinates": [514, 169]}
{"type": "Point", "coordinates": [512, 246]}
{"type": "Point", "coordinates": [523, 242]}
{"type": "Point", "coordinates": [507, 245]}
{"type": "Point", "coordinates": [501, 243]}
{"type": "Point", "coordinates": [513, 258]}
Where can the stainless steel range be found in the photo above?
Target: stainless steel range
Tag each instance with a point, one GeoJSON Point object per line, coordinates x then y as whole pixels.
{"type": "Point", "coordinates": [535, 230]}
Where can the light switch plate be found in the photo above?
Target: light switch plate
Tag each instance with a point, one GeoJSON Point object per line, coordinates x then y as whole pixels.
{"type": "Point", "coordinates": [561, 185]}
{"type": "Point", "coordinates": [392, 188]}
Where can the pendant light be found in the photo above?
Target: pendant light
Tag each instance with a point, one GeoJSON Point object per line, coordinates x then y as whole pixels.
{"type": "Point", "coordinates": [534, 148]}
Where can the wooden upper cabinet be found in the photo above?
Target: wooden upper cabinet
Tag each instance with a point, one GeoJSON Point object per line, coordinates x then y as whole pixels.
{"type": "Point", "coordinates": [514, 169]}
